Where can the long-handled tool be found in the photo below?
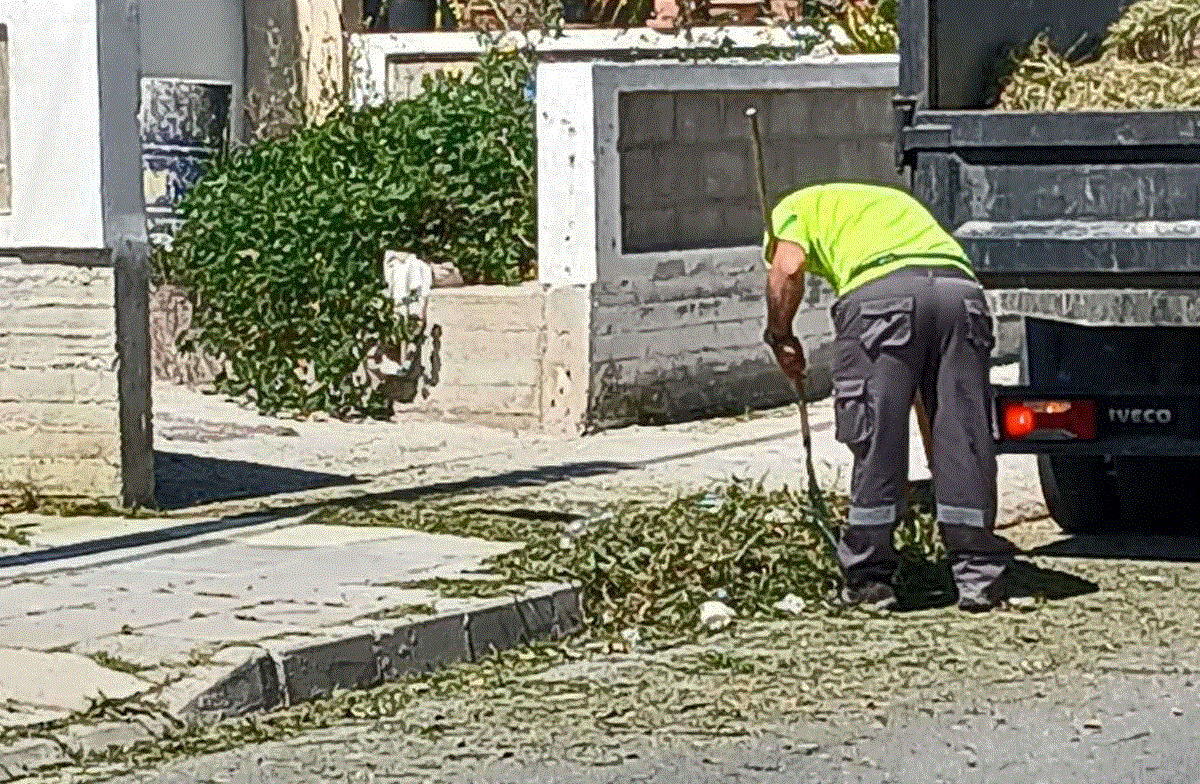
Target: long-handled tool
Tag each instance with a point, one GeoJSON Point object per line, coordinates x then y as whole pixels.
{"type": "Point", "coordinates": [814, 490]}
{"type": "Point", "coordinates": [806, 434]}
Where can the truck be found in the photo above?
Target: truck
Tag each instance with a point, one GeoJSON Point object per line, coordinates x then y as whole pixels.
{"type": "Point", "coordinates": [1085, 228]}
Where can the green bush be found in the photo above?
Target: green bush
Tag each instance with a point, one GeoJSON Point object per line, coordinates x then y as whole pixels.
{"type": "Point", "coordinates": [282, 244]}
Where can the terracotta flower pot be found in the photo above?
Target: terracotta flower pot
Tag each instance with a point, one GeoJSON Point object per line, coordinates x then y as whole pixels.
{"type": "Point", "coordinates": [665, 17]}
{"type": "Point", "coordinates": [483, 17]}
{"type": "Point", "coordinates": [787, 10]}
{"type": "Point", "coordinates": [734, 12]}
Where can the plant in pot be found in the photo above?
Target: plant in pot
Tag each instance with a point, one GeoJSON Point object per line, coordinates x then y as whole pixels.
{"type": "Point", "coordinates": [735, 12]}
{"type": "Point", "coordinates": [605, 13]}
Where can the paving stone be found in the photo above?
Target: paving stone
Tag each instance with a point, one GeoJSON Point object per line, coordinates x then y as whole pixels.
{"type": "Point", "coordinates": [311, 535]}
{"type": "Point", "coordinates": [15, 714]}
{"type": "Point", "coordinates": [318, 670]}
{"type": "Point", "coordinates": [97, 738]}
{"type": "Point", "coordinates": [422, 647]}
{"type": "Point", "coordinates": [307, 614]}
{"type": "Point", "coordinates": [60, 629]}
{"type": "Point", "coordinates": [147, 650]}
{"type": "Point", "coordinates": [23, 598]}
{"type": "Point", "coordinates": [456, 546]}
{"type": "Point", "coordinates": [133, 579]}
{"type": "Point", "coordinates": [142, 610]}
{"type": "Point", "coordinates": [61, 680]}
{"type": "Point", "coordinates": [27, 756]}
{"type": "Point", "coordinates": [357, 570]}
{"type": "Point", "coordinates": [223, 559]}
{"type": "Point", "coordinates": [278, 585]}
{"type": "Point", "coordinates": [369, 597]}
{"type": "Point", "coordinates": [224, 628]}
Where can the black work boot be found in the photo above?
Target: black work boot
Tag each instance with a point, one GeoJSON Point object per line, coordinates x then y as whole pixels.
{"type": "Point", "coordinates": [879, 596]}
{"type": "Point", "coordinates": [995, 595]}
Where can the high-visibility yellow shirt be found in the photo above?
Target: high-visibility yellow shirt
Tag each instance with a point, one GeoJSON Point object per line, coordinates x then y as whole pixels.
{"type": "Point", "coordinates": [854, 233]}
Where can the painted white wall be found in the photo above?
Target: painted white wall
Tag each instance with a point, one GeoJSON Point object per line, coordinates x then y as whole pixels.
{"type": "Point", "coordinates": [196, 39]}
{"type": "Point", "coordinates": [320, 27]}
{"type": "Point", "coordinates": [566, 151]}
{"type": "Point", "coordinates": [54, 118]}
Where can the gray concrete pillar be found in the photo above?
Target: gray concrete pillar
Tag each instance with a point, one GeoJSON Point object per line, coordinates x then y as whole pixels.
{"type": "Point", "coordinates": [125, 239]}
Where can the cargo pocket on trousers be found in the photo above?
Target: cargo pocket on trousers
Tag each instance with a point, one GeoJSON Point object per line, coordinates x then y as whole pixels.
{"type": "Point", "coordinates": [887, 323]}
{"type": "Point", "coordinates": [853, 422]}
{"type": "Point", "coordinates": [980, 330]}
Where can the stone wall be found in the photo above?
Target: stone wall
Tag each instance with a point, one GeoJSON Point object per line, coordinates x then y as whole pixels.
{"type": "Point", "coordinates": [59, 430]}
{"type": "Point", "coordinates": [511, 356]}
{"type": "Point", "coordinates": [514, 356]}
{"type": "Point", "coordinates": [677, 323]}
{"type": "Point", "coordinates": [170, 316]}
{"type": "Point", "coordinates": [654, 206]}
{"type": "Point", "coordinates": [388, 66]}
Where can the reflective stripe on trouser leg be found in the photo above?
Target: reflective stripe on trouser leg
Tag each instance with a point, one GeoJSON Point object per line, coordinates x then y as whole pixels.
{"type": "Point", "coordinates": [873, 515]}
{"type": "Point", "coordinates": [866, 550]}
{"type": "Point", "coordinates": [961, 515]}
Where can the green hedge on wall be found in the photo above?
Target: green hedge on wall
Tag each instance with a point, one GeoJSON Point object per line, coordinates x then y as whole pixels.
{"type": "Point", "coordinates": [282, 244]}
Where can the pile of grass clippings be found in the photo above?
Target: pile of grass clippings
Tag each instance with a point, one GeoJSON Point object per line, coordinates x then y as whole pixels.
{"type": "Point", "coordinates": [650, 566]}
{"type": "Point", "coordinates": [1150, 59]}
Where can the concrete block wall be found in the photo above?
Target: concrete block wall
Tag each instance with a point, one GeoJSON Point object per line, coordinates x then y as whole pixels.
{"type": "Point", "coordinates": [59, 428]}
{"type": "Point", "coordinates": [687, 179]}
{"type": "Point", "coordinates": [652, 205]}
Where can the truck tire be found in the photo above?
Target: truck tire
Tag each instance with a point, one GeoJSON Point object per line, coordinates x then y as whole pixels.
{"type": "Point", "coordinates": [1081, 494]}
{"type": "Point", "coordinates": [1158, 494]}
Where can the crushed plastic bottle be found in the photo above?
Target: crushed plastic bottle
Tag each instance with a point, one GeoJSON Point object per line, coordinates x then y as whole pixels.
{"type": "Point", "coordinates": [716, 615]}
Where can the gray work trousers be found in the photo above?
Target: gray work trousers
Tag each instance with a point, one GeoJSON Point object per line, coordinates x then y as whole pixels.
{"type": "Point", "coordinates": [930, 328]}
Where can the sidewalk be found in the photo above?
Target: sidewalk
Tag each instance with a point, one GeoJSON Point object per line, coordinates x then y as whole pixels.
{"type": "Point", "coordinates": [249, 619]}
{"type": "Point", "coordinates": [416, 457]}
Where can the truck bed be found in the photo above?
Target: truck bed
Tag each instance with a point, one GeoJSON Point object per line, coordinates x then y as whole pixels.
{"type": "Point", "coordinates": [1062, 194]}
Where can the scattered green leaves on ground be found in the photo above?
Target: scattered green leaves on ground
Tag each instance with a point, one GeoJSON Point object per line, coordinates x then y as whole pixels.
{"type": "Point", "coordinates": [106, 659]}
{"type": "Point", "coordinates": [24, 498]}
{"type": "Point", "coordinates": [461, 588]}
{"type": "Point", "coordinates": [650, 566]}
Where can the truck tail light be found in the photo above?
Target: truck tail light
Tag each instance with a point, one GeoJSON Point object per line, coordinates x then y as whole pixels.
{"type": "Point", "coordinates": [1048, 420]}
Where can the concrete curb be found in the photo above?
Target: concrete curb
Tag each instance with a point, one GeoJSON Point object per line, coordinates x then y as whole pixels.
{"type": "Point", "coordinates": [273, 679]}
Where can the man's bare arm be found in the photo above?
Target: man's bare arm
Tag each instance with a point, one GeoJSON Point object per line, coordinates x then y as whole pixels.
{"type": "Point", "coordinates": [785, 287]}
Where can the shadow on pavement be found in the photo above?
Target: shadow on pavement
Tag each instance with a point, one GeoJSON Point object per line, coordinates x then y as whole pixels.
{"type": "Point", "coordinates": [183, 480]}
{"type": "Point", "coordinates": [188, 480]}
{"type": "Point", "coordinates": [528, 477]}
{"type": "Point", "coordinates": [241, 478]}
{"type": "Point", "coordinates": [924, 585]}
{"type": "Point", "coordinates": [1126, 547]}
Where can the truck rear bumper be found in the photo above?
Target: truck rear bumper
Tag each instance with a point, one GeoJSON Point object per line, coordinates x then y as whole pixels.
{"type": "Point", "coordinates": [1136, 422]}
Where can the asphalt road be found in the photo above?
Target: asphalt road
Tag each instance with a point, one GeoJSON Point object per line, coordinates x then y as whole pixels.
{"type": "Point", "coordinates": [1122, 729]}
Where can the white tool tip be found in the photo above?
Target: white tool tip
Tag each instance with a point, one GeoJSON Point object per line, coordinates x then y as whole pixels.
{"type": "Point", "coordinates": [751, 112]}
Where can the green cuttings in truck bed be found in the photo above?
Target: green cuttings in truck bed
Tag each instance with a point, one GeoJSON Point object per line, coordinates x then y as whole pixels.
{"type": "Point", "coordinates": [1150, 59]}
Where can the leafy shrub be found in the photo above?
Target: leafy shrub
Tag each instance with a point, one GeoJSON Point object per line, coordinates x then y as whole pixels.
{"type": "Point", "coordinates": [282, 244]}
